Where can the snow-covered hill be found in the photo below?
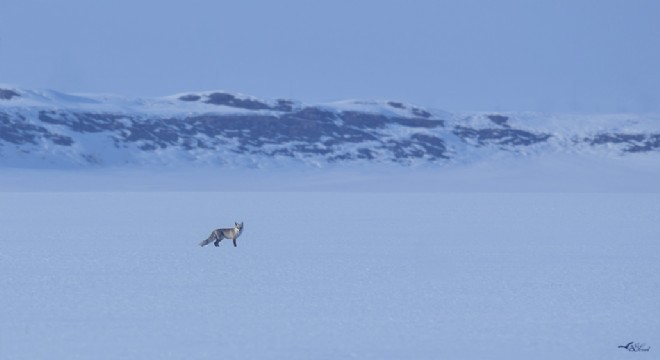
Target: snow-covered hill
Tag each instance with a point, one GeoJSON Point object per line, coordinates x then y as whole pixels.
{"type": "Point", "coordinates": [46, 129]}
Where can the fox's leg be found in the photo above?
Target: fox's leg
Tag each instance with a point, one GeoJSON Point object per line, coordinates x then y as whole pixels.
{"type": "Point", "coordinates": [234, 239]}
{"type": "Point", "coordinates": [218, 238]}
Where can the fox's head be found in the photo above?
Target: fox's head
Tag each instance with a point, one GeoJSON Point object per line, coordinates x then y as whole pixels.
{"type": "Point", "coordinates": [239, 226]}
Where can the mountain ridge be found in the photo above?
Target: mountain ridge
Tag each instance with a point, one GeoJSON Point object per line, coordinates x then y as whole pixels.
{"type": "Point", "coordinates": [215, 128]}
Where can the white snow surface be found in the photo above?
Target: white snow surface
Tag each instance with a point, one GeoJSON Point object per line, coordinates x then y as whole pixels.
{"type": "Point", "coordinates": [329, 275]}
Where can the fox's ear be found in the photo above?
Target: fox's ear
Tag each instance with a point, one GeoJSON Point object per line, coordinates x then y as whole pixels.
{"type": "Point", "coordinates": [235, 223]}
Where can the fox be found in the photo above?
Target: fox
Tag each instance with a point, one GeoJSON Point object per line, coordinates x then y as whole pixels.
{"type": "Point", "coordinates": [218, 234]}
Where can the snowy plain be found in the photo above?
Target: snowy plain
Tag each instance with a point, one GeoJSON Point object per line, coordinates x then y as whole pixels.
{"type": "Point", "coordinates": [524, 263]}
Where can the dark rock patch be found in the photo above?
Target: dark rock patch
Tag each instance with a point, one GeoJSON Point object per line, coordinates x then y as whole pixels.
{"type": "Point", "coordinates": [364, 120]}
{"type": "Point", "coordinates": [364, 153]}
{"type": "Point", "coordinates": [191, 97]}
{"type": "Point", "coordinates": [403, 149]}
{"type": "Point", "coordinates": [421, 113]}
{"type": "Point", "coordinates": [6, 94]}
{"type": "Point", "coordinates": [500, 136]}
{"type": "Point", "coordinates": [60, 139]}
{"type": "Point", "coordinates": [433, 146]}
{"type": "Point", "coordinates": [635, 143]}
{"type": "Point", "coordinates": [84, 122]}
{"type": "Point", "coordinates": [233, 101]}
{"type": "Point", "coordinates": [314, 114]}
{"type": "Point", "coordinates": [18, 131]}
{"type": "Point", "coordinates": [499, 120]}
{"type": "Point", "coordinates": [396, 105]}
{"type": "Point", "coordinates": [283, 105]}
{"type": "Point", "coordinates": [418, 123]}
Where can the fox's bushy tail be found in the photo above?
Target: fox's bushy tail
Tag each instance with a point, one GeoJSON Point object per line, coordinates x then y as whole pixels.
{"type": "Point", "coordinates": [207, 241]}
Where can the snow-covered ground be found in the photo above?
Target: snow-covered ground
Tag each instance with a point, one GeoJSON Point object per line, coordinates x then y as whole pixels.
{"type": "Point", "coordinates": [371, 265]}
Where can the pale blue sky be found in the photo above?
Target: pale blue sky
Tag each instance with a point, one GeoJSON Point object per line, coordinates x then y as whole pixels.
{"type": "Point", "coordinates": [545, 55]}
